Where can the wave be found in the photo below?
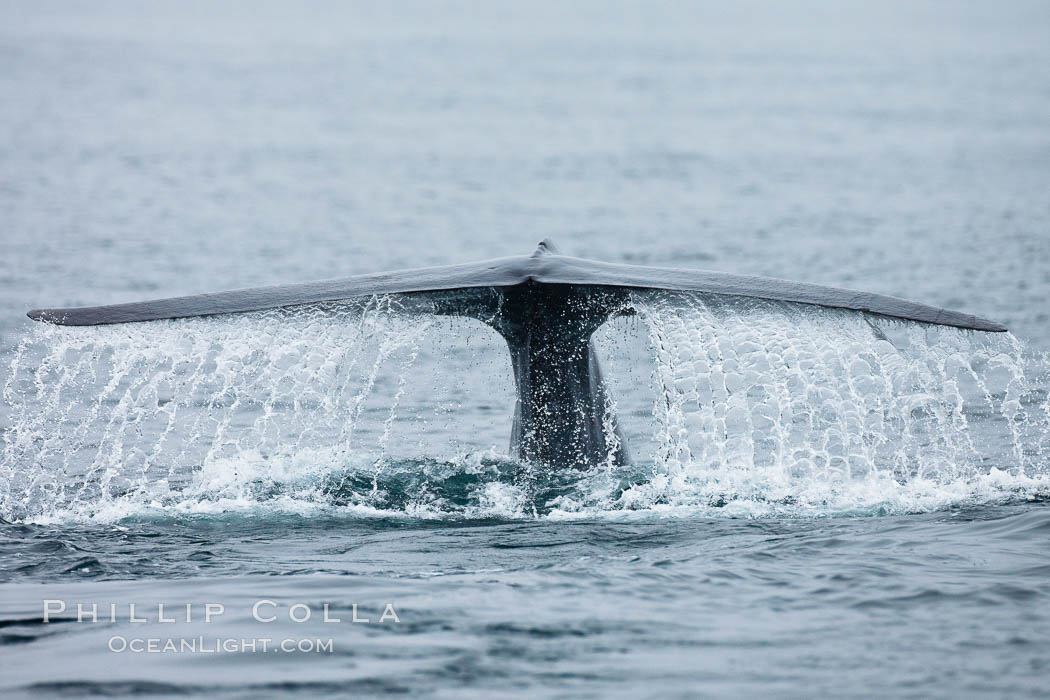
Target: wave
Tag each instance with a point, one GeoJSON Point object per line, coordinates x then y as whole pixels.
{"type": "Point", "coordinates": [489, 486]}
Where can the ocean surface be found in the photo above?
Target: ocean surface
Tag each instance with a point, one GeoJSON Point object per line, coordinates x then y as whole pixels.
{"type": "Point", "coordinates": [818, 502]}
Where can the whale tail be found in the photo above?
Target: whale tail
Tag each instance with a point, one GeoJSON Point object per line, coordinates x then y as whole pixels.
{"type": "Point", "coordinates": [546, 306]}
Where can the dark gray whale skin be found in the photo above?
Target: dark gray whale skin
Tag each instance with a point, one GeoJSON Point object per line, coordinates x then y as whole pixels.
{"type": "Point", "coordinates": [563, 415]}
{"type": "Point", "coordinates": [546, 306]}
{"type": "Point", "coordinates": [544, 266]}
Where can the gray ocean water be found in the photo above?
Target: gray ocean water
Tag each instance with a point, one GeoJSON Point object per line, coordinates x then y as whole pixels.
{"type": "Point", "coordinates": [818, 502]}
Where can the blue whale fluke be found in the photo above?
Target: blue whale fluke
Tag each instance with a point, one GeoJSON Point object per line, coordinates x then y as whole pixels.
{"type": "Point", "coordinates": [546, 306]}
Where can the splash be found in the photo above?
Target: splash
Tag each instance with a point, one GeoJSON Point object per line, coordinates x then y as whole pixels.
{"type": "Point", "coordinates": [766, 407]}
{"type": "Point", "coordinates": [760, 408]}
{"type": "Point", "coordinates": [121, 414]}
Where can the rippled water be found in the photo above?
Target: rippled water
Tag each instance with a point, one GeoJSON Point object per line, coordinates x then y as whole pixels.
{"type": "Point", "coordinates": [818, 502]}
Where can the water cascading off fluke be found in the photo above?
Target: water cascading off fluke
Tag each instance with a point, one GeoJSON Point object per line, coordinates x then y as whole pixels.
{"type": "Point", "coordinates": [546, 306]}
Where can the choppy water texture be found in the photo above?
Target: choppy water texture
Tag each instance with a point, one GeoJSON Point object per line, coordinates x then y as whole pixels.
{"type": "Point", "coordinates": [818, 502]}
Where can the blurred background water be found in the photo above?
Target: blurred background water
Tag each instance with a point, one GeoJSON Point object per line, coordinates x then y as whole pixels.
{"type": "Point", "coordinates": [901, 148]}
